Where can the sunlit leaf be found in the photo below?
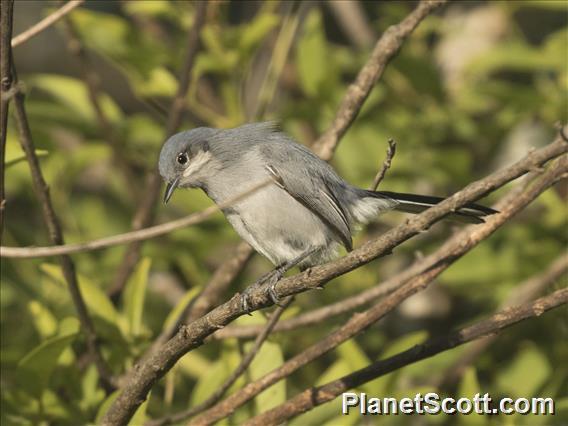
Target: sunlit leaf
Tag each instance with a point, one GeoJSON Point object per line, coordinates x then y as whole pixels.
{"type": "Point", "coordinates": [34, 370]}
{"type": "Point", "coordinates": [134, 296]}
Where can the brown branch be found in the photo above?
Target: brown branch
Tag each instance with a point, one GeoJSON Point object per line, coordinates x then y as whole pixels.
{"type": "Point", "coordinates": [391, 150]}
{"type": "Point", "coordinates": [144, 216]}
{"type": "Point", "coordinates": [363, 298]}
{"type": "Point", "coordinates": [316, 396]}
{"type": "Point", "coordinates": [46, 22]}
{"type": "Point", "coordinates": [246, 361]}
{"type": "Point", "coordinates": [227, 271]}
{"type": "Point", "coordinates": [128, 237]}
{"type": "Point", "coordinates": [450, 251]}
{"type": "Point", "coordinates": [6, 16]}
{"type": "Point", "coordinates": [384, 51]}
{"type": "Point", "coordinates": [317, 316]}
{"type": "Point", "coordinates": [192, 335]}
{"type": "Point", "coordinates": [521, 294]}
{"type": "Point", "coordinates": [221, 285]}
{"type": "Point", "coordinates": [56, 236]}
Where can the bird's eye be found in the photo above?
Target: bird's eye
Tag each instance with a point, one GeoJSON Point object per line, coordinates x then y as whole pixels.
{"type": "Point", "coordinates": [182, 158]}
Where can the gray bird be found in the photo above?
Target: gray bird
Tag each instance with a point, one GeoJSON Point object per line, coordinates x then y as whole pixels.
{"type": "Point", "coordinates": [300, 220]}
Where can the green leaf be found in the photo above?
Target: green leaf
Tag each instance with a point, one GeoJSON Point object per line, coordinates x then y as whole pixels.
{"type": "Point", "coordinates": [44, 321]}
{"type": "Point", "coordinates": [267, 359]}
{"type": "Point", "coordinates": [159, 82]}
{"type": "Point", "coordinates": [193, 365]}
{"type": "Point", "coordinates": [180, 306]}
{"type": "Point", "coordinates": [528, 371]}
{"type": "Point", "coordinates": [104, 32]}
{"type": "Point", "coordinates": [134, 296]}
{"type": "Point", "coordinates": [73, 94]}
{"type": "Point", "coordinates": [255, 31]}
{"type": "Point", "coordinates": [97, 301]}
{"type": "Point", "coordinates": [220, 370]}
{"type": "Point", "coordinates": [468, 388]}
{"type": "Point", "coordinates": [34, 370]}
{"type": "Point", "coordinates": [312, 55]}
{"type": "Point", "coordinates": [15, 160]}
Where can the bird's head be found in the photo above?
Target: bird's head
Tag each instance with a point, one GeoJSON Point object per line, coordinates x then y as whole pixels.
{"type": "Point", "coordinates": [185, 159]}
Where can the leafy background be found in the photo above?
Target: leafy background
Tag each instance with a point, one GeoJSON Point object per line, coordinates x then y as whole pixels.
{"type": "Point", "coordinates": [473, 89]}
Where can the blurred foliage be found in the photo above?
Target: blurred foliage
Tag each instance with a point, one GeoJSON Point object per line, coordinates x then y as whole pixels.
{"type": "Point", "coordinates": [473, 89]}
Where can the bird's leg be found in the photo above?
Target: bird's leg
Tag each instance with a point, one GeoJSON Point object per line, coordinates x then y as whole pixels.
{"type": "Point", "coordinates": [270, 279]}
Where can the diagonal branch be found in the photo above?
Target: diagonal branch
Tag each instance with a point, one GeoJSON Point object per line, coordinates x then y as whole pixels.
{"type": "Point", "coordinates": [313, 397]}
{"type": "Point", "coordinates": [228, 270]}
{"type": "Point", "coordinates": [384, 51]}
{"type": "Point", "coordinates": [56, 236]}
{"type": "Point", "coordinates": [522, 293]}
{"type": "Point", "coordinates": [192, 335]}
{"type": "Point", "coordinates": [432, 267]}
{"type": "Point", "coordinates": [128, 237]}
{"type": "Point", "coordinates": [6, 15]}
{"type": "Point", "coordinates": [144, 216]}
{"type": "Point", "coordinates": [46, 22]}
{"type": "Point", "coordinates": [246, 361]}
{"type": "Point", "coordinates": [363, 298]}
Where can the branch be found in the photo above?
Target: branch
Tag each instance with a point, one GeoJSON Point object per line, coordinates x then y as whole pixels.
{"type": "Point", "coordinates": [314, 397]}
{"type": "Point", "coordinates": [385, 50]}
{"type": "Point", "coordinates": [192, 335]}
{"type": "Point", "coordinates": [523, 293]}
{"type": "Point", "coordinates": [365, 297]}
{"type": "Point", "coordinates": [246, 361]}
{"type": "Point", "coordinates": [436, 263]}
{"type": "Point", "coordinates": [128, 237]}
{"type": "Point", "coordinates": [144, 216]}
{"type": "Point", "coordinates": [6, 16]}
{"type": "Point", "coordinates": [45, 22]}
{"type": "Point", "coordinates": [228, 270]}
{"type": "Point", "coordinates": [56, 235]}
{"type": "Point", "coordinates": [391, 150]}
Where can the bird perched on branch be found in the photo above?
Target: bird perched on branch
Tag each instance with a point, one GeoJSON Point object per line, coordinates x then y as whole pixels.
{"type": "Point", "coordinates": [301, 219]}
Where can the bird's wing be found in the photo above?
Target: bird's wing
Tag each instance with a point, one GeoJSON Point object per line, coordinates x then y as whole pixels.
{"type": "Point", "coordinates": [314, 193]}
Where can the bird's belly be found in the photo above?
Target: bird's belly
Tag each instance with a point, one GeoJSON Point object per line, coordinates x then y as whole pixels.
{"type": "Point", "coordinates": [280, 228]}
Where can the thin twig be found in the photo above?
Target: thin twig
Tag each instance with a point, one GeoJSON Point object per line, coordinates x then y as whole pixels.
{"type": "Point", "coordinates": [45, 22]}
{"type": "Point", "coordinates": [315, 396]}
{"type": "Point", "coordinates": [391, 150]}
{"type": "Point", "coordinates": [128, 237]}
{"type": "Point", "coordinates": [384, 51]}
{"type": "Point", "coordinates": [523, 293]}
{"type": "Point", "coordinates": [56, 235]}
{"type": "Point", "coordinates": [245, 362]}
{"type": "Point", "coordinates": [6, 16]}
{"type": "Point", "coordinates": [193, 335]}
{"type": "Point", "coordinates": [450, 251]}
{"type": "Point", "coordinates": [144, 216]}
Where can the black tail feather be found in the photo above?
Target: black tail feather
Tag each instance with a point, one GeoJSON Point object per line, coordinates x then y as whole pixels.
{"type": "Point", "coordinates": [412, 203]}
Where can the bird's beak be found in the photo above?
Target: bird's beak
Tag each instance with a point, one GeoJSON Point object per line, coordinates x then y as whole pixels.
{"type": "Point", "coordinates": [170, 188]}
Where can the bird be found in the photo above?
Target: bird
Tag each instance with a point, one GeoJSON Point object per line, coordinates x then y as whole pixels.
{"type": "Point", "coordinates": [306, 213]}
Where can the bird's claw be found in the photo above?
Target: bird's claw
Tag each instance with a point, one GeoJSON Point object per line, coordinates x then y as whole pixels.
{"type": "Point", "coordinates": [268, 281]}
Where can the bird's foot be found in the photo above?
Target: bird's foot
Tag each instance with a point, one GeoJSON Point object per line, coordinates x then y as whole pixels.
{"type": "Point", "coordinates": [268, 282]}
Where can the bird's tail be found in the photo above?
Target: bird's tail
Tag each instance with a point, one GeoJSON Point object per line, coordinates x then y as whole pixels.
{"type": "Point", "coordinates": [411, 203]}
